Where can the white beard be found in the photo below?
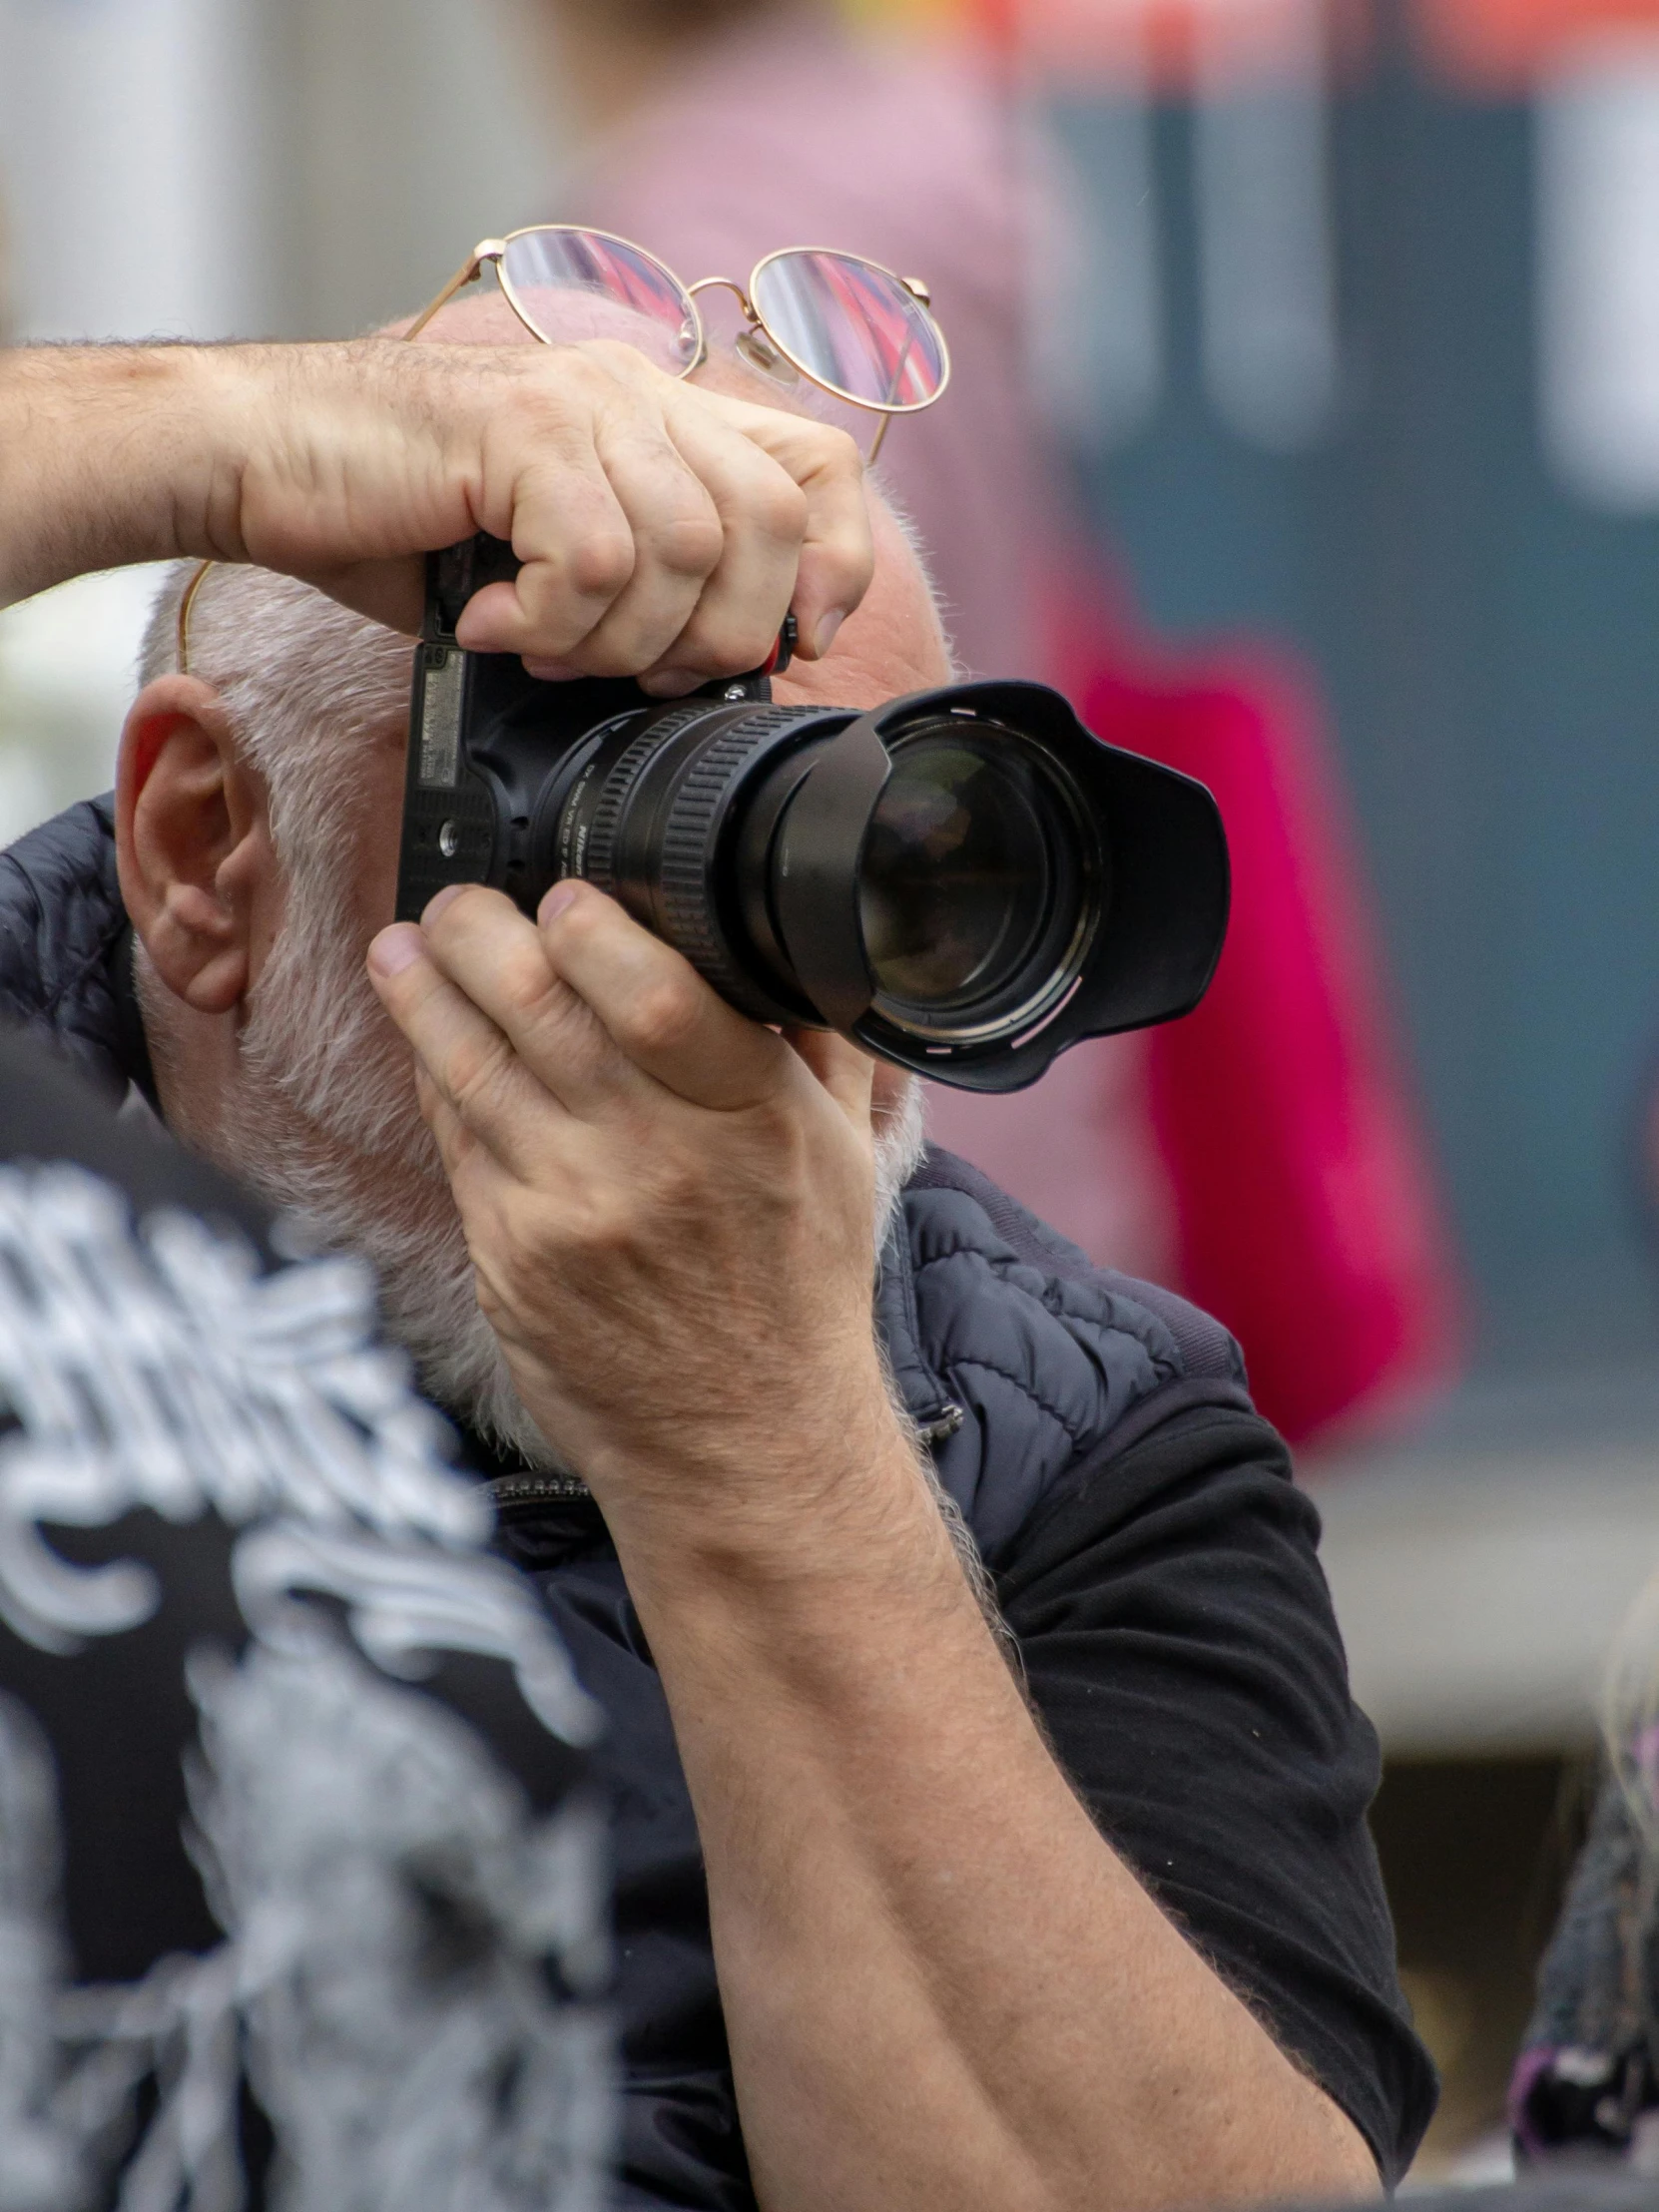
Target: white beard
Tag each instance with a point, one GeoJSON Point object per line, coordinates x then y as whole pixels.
{"type": "Point", "coordinates": [323, 1123]}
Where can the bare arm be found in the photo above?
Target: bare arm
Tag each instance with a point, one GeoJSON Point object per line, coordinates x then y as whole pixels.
{"type": "Point", "coordinates": [664, 528]}
{"type": "Point", "coordinates": [942, 1986]}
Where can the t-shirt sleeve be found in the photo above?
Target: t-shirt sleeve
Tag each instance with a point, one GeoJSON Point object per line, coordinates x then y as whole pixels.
{"type": "Point", "coordinates": [1181, 1649]}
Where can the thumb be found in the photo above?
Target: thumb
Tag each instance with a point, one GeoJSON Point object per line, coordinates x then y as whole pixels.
{"type": "Point", "coordinates": [845, 1072]}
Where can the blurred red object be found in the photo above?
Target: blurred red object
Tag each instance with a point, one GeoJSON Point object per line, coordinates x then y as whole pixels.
{"type": "Point", "coordinates": [1263, 1155]}
{"type": "Point", "coordinates": [1306, 1212]}
{"type": "Point", "coordinates": [1497, 47]}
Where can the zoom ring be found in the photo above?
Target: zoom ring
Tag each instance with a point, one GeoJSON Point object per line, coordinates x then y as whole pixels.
{"type": "Point", "coordinates": [684, 903]}
{"type": "Point", "coordinates": [687, 910]}
{"type": "Point", "coordinates": [599, 862]}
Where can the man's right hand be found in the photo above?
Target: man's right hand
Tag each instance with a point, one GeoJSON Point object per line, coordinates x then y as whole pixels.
{"type": "Point", "coordinates": [665, 530]}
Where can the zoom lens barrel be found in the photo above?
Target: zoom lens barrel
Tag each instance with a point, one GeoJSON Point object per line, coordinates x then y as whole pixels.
{"type": "Point", "coordinates": [937, 880]}
{"type": "Point", "coordinates": [966, 881]}
{"type": "Point", "coordinates": [656, 819]}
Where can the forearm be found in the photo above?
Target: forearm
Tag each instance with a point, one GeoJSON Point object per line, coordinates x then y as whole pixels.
{"type": "Point", "coordinates": [110, 454]}
{"type": "Point", "coordinates": [343, 462]}
{"type": "Point", "coordinates": [941, 1987]}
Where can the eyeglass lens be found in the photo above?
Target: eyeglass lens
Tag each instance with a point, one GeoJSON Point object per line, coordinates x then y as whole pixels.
{"type": "Point", "coordinates": [569, 285]}
{"type": "Point", "coordinates": [852, 326]}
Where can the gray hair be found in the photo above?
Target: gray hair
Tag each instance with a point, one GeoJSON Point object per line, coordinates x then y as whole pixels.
{"type": "Point", "coordinates": [306, 684]}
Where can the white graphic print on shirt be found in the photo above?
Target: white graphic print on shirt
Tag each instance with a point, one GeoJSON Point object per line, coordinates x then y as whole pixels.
{"type": "Point", "coordinates": [397, 1918]}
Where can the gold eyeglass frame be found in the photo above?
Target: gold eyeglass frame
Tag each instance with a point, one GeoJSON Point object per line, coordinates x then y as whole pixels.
{"type": "Point", "coordinates": [493, 252]}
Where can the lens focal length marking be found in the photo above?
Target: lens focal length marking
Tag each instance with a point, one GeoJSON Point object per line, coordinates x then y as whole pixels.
{"type": "Point", "coordinates": [443, 683]}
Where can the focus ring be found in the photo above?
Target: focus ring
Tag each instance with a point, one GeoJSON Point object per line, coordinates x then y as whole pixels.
{"type": "Point", "coordinates": [599, 862]}
{"type": "Point", "coordinates": [678, 870]}
{"type": "Point", "coordinates": [687, 909]}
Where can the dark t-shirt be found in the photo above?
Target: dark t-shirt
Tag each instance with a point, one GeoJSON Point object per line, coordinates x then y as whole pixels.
{"type": "Point", "coordinates": [1180, 1645]}
{"type": "Point", "coordinates": [297, 1848]}
{"type": "Point", "coordinates": [1174, 1627]}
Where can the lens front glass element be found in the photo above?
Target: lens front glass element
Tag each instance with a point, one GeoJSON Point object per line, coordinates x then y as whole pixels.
{"type": "Point", "coordinates": [574, 284]}
{"type": "Point", "coordinates": [977, 892]}
{"type": "Point", "coordinates": [852, 326]}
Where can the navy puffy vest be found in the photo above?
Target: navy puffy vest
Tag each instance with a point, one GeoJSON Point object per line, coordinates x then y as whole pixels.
{"type": "Point", "coordinates": [1013, 1353]}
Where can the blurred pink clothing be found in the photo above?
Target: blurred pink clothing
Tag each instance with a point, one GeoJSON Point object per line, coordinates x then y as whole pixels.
{"type": "Point", "coordinates": [1260, 1154]}
{"type": "Point", "coordinates": [1304, 1212]}
{"type": "Point", "coordinates": [792, 132]}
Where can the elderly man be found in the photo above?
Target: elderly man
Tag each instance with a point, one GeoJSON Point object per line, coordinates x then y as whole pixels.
{"type": "Point", "coordinates": [990, 1806]}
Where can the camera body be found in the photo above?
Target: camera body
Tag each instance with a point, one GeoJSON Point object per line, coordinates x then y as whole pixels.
{"type": "Point", "coordinates": [964, 880]}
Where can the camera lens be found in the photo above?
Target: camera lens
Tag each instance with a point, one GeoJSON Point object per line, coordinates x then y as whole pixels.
{"type": "Point", "coordinates": [964, 880]}
{"type": "Point", "coordinates": [978, 889]}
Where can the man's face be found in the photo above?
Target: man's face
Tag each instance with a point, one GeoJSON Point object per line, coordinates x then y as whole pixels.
{"type": "Point", "coordinates": [300, 1083]}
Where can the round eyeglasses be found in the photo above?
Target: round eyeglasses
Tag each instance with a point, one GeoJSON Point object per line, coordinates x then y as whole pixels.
{"type": "Point", "coordinates": [846, 325]}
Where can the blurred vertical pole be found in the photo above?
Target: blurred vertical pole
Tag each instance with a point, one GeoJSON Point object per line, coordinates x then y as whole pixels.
{"type": "Point", "coordinates": [1598, 264]}
{"type": "Point", "coordinates": [1079, 84]}
{"type": "Point", "coordinates": [1096, 316]}
{"type": "Point", "coordinates": [1266, 267]}
{"type": "Point", "coordinates": [131, 160]}
{"type": "Point", "coordinates": [416, 136]}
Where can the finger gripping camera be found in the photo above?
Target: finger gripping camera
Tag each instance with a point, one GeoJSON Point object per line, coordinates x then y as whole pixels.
{"type": "Point", "coordinates": [963, 880]}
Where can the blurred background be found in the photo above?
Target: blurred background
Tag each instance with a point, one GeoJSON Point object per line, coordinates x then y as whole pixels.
{"type": "Point", "coordinates": [1306, 425]}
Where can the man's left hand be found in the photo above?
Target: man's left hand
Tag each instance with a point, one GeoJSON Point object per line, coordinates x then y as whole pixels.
{"type": "Point", "coordinates": [670, 1208]}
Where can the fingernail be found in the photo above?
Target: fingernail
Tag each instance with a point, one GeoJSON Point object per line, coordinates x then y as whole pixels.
{"type": "Point", "coordinates": [395, 948]}
{"type": "Point", "coordinates": [438, 901]}
{"type": "Point", "coordinates": [557, 899]}
{"type": "Point", "coordinates": [551, 672]}
{"type": "Point", "coordinates": [671, 683]}
{"type": "Point", "coordinates": [823, 637]}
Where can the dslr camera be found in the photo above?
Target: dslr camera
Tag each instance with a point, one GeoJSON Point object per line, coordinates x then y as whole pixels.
{"type": "Point", "coordinates": [964, 880]}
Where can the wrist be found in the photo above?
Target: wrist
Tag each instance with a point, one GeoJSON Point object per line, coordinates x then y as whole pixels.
{"type": "Point", "coordinates": [791, 1521]}
{"type": "Point", "coordinates": [109, 455]}
{"type": "Point", "coordinates": [816, 1626]}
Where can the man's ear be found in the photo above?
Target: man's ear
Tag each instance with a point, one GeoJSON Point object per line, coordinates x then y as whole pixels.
{"type": "Point", "coordinates": [191, 840]}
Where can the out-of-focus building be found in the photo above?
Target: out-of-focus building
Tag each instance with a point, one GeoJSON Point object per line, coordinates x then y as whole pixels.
{"type": "Point", "coordinates": [213, 169]}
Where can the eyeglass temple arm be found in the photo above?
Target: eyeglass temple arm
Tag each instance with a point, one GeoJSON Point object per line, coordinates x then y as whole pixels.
{"type": "Point", "coordinates": [490, 250]}
{"type": "Point", "coordinates": [723, 284]}
{"type": "Point", "coordinates": [187, 600]}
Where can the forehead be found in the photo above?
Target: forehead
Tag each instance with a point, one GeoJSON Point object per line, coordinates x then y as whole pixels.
{"type": "Point", "coordinates": [482, 315]}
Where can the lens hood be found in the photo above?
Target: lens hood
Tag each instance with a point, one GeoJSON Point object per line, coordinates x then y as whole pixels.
{"type": "Point", "coordinates": [1158, 887]}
